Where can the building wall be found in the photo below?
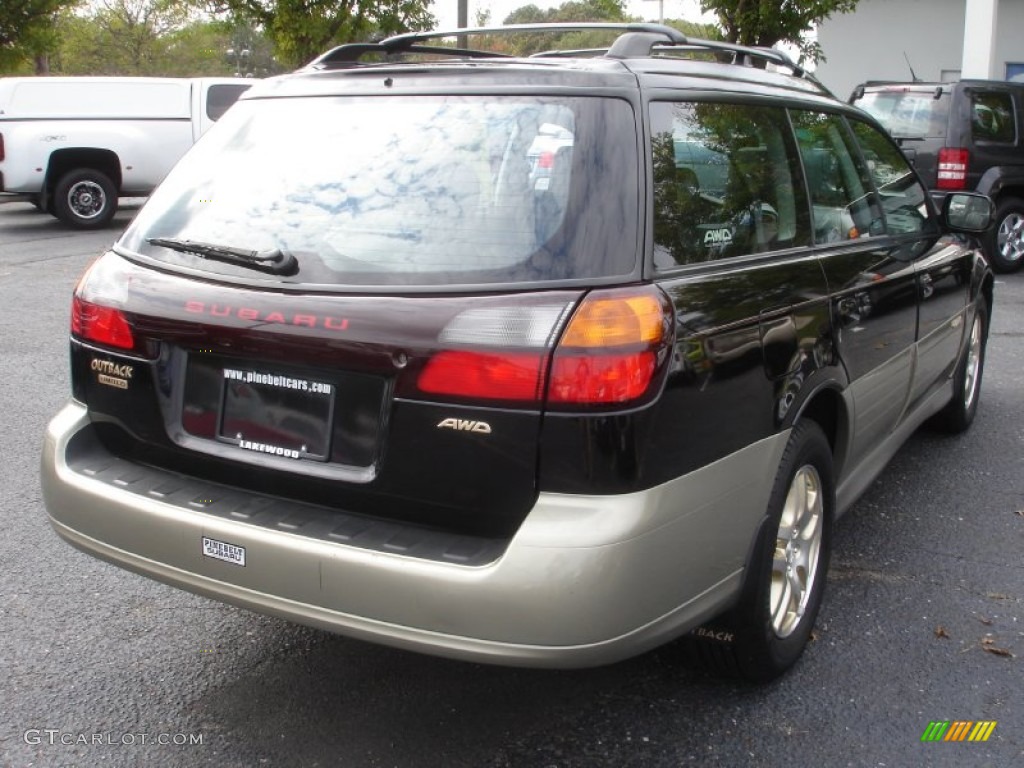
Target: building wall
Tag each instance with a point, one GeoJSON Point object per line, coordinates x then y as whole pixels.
{"type": "Point", "coordinates": [1010, 38]}
{"type": "Point", "coordinates": [869, 43]}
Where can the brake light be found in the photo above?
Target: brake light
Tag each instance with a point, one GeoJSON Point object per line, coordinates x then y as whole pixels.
{"type": "Point", "coordinates": [952, 168]}
{"type": "Point", "coordinates": [485, 375]}
{"type": "Point", "coordinates": [608, 354]}
{"type": "Point", "coordinates": [101, 325]}
{"type": "Point", "coordinates": [611, 349]}
{"type": "Point", "coordinates": [546, 160]}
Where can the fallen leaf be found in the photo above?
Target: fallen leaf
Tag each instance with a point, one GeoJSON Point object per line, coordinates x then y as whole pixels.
{"type": "Point", "coordinates": [987, 640]}
{"type": "Point", "coordinates": [986, 622]}
{"type": "Point", "coordinates": [941, 632]}
{"type": "Point", "coordinates": [998, 651]}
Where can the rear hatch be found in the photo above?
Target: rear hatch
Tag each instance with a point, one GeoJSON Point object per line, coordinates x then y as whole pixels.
{"type": "Point", "coordinates": [363, 303]}
{"type": "Point", "coordinates": [916, 115]}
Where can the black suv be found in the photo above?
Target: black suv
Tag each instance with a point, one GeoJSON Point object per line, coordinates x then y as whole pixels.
{"type": "Point", "coordinates": [964, 135]}
{"type": "Point", "coordinates": [541, 360]}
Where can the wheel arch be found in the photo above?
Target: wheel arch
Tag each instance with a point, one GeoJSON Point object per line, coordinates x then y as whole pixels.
{"type": "Point", "coordinates": [63, 161]}
{"type": "Point", "coordinates": [827, 408]}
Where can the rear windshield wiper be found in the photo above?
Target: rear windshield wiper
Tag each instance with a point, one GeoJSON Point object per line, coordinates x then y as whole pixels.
{"type": "Point", "coordinates": [273, 260]}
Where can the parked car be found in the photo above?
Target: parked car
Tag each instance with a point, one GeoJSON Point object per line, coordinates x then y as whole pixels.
{"type": "Point", "coordinates": [73, 145]}
{"type": "Point", "coordinates": [356, 365]}
{"type": "Point", "coordinates": [967, 135]}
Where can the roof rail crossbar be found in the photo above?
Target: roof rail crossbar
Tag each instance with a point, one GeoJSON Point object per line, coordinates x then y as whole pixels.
{"type": "Point", "coordinates": [637, 40]}
{"type": "Point", "coordinates": [352, 53]}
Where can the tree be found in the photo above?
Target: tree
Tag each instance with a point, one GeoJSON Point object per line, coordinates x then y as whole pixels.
{"type": "Point", "coordinates": [27, 30]}
{"type": "Point", "coordinates": [303, 29]}
{"type": "Point", "coordinates": [767, 22]}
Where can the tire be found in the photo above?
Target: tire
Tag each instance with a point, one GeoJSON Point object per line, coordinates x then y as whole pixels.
{"type": "Point", "coordinates": [767, 631]}
{"type": "Point", "coordinates": [1004, 243]}
{"type": "Point", "coordinates": [957, 416]}
{"type": "Point", "coordinates": [85, 199]}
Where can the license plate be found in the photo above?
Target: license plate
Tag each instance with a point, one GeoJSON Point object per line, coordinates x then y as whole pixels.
{"type": "Point", "coordinates": [221, 550]}
{"type": "Point", "coordinates": [277, 414]}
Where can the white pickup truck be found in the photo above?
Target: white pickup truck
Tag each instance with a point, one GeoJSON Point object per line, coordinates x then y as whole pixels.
{"type": "Point", "coordinates": [74, 145]}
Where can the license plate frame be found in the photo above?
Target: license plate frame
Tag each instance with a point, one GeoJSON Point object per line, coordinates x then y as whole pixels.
{"type": "Point", "coordinates": [274, 413]}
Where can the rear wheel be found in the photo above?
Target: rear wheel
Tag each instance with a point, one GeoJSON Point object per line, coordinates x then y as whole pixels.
{"type": "Point", "coordinates": [959, 413]}
{"type": "Point", "coordinates": [85, 198]}
{"type": "Point", "coordinates": [1005, 242]}
{"type": "Point", "coordinates": [764, 635]}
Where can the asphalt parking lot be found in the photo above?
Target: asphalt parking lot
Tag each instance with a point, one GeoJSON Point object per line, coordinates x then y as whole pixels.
{"type": "Point", "coordinates": [923, 621]}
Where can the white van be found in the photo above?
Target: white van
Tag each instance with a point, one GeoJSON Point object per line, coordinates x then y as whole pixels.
{"type": "Point", "coordinates": [74, 145]}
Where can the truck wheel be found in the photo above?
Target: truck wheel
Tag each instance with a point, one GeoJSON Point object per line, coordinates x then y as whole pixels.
{"type": "Point", "coordinates": [764, 635]}
{"type": "Point", "coordinates": [85, 199]}
{"type": "Point", "coordinates": [1005, 242]}
{"type": "Point", "coordinates": [959, 413]}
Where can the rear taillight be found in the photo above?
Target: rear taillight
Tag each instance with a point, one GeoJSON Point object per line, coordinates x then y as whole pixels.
{"type": "Point", "coordinates": [546, 160]}
{"type": "Point", "coordinates": [952, 168]}
{"type": "Point", "coordinates": [609, 353]}
{"type": "Point", "coordinates": [611, 349]}
{"type": "Point", "coordinates": [101, 325]}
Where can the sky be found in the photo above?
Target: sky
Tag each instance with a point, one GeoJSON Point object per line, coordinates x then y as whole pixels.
{"type": "Point", "coordinates": [446, 11]}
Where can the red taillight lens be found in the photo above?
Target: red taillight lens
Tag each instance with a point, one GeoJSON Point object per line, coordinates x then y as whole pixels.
{"type": "Point", "coordinates": [101, 325]}
{"type": "Point", "coordinates": [952, 168]}
{"type": "Point", "coordinates": [609, 352]}
{"type": "Point", "coordinates": [485, 375]}
{"type": "Point", "coordinates": [600, 378]}
{"type": "Point", "coordinates": [546, 160]}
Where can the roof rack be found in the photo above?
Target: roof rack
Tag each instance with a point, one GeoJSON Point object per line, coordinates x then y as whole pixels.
{"type": "Point", "coordinates": [638, 40]}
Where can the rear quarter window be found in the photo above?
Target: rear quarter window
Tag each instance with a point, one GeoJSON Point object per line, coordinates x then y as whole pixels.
{"type": "Point", "coordinates": [725, 183]}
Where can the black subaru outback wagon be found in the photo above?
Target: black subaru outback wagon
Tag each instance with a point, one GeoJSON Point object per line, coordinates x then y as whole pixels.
{"type": "Point", "coordinates": [542, 360]}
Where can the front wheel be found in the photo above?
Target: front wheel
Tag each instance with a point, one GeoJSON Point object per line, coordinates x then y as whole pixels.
{"type": "Point", "coordinates": [959, 412]}
{"type": "Point", "coordinates": [85, 198]}
{"type": "Point", "coordinates": [1004, 244]}
{"type": "Point", "coordinates": [765, 634]}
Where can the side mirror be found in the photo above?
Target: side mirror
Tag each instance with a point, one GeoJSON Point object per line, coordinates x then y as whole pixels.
{"type": "Point", "coordinates": [968, 212]}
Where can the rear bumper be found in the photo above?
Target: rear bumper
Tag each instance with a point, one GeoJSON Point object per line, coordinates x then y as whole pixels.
{"type": "Point", "coordinates": [587, 580]}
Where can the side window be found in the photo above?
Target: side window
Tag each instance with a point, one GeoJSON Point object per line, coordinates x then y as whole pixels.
{"type": "Point", "coordinates": [843, 203]}
{"type": "Point", "coordinates": [221, 96]}
{"type": "Point", "coordinates": [902, 196]}
{"type": "Point", "coordinates": [724, 183]}
{"type": "Point", "coordinates": [992, 116]}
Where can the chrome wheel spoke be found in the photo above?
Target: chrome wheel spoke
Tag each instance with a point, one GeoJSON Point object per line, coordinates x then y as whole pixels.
{"type": "Point", "coordinates": [797, 546]}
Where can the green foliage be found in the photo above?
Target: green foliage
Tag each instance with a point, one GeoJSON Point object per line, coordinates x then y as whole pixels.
{"type": "Point", "coordinates": [156, 38]}
{"type": "Point", "coordinates": [767, 22]}
{"type": "Point", "coordinates": [27, 30]}
{"type": "Point", "coordinates": [570, 11]}
{"type": "Point", "coordinates": [302, 29]}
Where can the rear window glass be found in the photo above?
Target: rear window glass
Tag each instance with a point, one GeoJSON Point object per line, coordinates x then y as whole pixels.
{"type": "Point", "coordinates": [409, 191]}
{"type": "Point", "coordinates": [992, 116]}
{"type": "Point", "coordinates": [908, 113]}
